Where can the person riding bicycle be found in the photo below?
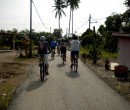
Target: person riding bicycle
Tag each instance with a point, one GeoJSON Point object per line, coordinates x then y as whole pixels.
{"type": "Point", "coordinates": [63, 49]}
{"type": "Point", "coordinates": [53, 45]}
{"type": "Point", "coordinates": [43, 48]}
{"type": "Point", "coordinates": [74, 48]}
{"type": "Point", "coordinates": [58, 46]}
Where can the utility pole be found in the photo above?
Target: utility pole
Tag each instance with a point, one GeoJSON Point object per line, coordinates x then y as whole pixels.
{"type": "Point", "coordinates": [30, 48]}
{"type": "Point", "coordinates": [66, 31]}
{"type": "Point", "coordinates": [90, 20]}
{"type": "Point", "coordinates": [50, 29]}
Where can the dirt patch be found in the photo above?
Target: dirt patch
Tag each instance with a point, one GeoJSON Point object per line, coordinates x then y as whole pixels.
{"type": "Point", "coordinates": [13, 73]}
{"type": "Point", "coordinates": [122, 86]}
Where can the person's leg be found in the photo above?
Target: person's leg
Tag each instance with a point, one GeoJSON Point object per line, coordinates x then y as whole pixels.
{"type": "Point", "coordinates": [65, 55]}
{"type": "Point", "coordinates": [77, 53]}
{"type": "Point", "coordinates": [40, 59]}
{"type": "Point", "coordinates": [71, 58]}
{"type": "Point", "coordinates": [46, 63]}
{"type": "Point", "coordinates": [52, 51]}
{"type": "Point", "coordinates": [47, 68]}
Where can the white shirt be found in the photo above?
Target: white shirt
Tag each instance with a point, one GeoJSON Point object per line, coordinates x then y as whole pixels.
{"type": "Point", "coordinates": [75, 45]}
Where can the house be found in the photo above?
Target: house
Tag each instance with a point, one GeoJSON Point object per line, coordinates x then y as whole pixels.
{"type": "Point", "coordinates": [123, 48]}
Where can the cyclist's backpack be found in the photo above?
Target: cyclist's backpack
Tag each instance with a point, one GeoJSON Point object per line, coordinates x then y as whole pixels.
{"type": "Point", "coordinates": [41, 45]}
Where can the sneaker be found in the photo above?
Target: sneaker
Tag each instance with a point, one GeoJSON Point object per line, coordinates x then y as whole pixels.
{"type": "Point", "coordinates": [71, 66]}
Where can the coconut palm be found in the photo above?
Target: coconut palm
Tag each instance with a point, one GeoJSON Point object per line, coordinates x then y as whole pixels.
{"type": "Point", "coordinates": [59, 5]}
{"type": "Point", "coordinates": [74, 4]}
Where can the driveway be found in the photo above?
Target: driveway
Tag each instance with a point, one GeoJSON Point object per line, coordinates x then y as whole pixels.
{"type": "Point", "coordinates": [64, 89]}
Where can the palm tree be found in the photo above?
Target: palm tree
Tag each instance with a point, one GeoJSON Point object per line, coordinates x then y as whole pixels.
{"type": "Point", "coordinates": [74, 4]}
{"type": "Point", "coordinates": [59, 5]}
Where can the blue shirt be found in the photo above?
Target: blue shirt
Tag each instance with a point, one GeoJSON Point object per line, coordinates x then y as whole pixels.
{"type": "Point", "coordinates": [53, 43]}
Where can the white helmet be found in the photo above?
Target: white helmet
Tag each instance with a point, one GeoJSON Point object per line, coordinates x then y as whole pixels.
{"type": "Point", "coordinates": [42, 38]}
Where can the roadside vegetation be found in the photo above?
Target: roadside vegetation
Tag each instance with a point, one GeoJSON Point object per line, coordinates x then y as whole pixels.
{"type": "Point", "coordinates": [12, 75]}
{"type": "Point", "coordinates": [95, 44]}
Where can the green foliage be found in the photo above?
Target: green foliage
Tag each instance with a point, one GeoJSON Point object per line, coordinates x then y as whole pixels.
{"type": "Point", "coordinates": [84, 50]}
{"type": "Point", "coordinates": [57, 33]}
{"type": "Point", "coordinates": [4, 47]}
{"type": "Point", "coordinates": [59, 5]}
{"type": "Point", "coordinates": [107, 55]}
{"type": "Point", "coordinates": [113, 23]}
{"type": "Point", "coordinates": [5, 96]}
{"type": "Point", "coordinates": [95, 53]}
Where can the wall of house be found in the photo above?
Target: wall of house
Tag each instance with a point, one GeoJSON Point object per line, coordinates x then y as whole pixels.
{"type": "Point", "coordinates": [124, 51]}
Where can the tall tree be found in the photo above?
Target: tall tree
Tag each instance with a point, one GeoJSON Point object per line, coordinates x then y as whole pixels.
{"type": "Point", "coordinates": [59, 5]}
{"type": "Point", "coordinates": [74, 4]}
{"type": "Point", "coordinates": [113, 23]}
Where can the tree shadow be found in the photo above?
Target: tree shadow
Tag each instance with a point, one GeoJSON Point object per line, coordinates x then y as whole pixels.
{"type": "Point", "coordinates": [35, 85]}
{"type": "Point", "coordinates": [72, 74]}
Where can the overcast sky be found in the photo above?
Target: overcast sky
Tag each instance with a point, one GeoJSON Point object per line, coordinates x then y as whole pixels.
{"type": "Point", "coordinates": [16, 14]}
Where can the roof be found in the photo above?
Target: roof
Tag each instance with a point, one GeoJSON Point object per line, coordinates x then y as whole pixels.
{"type": "Point", "coordinates": [119, 34]}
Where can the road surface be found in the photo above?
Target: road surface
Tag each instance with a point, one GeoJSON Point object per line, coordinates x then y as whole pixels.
{"type": "Point", "coordinates": [65, 90]}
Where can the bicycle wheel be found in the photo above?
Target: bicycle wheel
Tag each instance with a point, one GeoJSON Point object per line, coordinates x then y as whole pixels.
{"type": "Point", "coordinates": [42, 72]}
{"type": "Point", "coordinates": [75, 65]}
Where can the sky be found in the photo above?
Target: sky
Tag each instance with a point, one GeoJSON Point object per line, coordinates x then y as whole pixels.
{"type": "Point", "coordinates": [16, 14]}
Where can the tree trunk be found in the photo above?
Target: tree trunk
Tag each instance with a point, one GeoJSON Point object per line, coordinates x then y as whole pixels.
{"type": "Point", "coordinates": [69, 22]}
{"type": "Point", "coordinates": [72, 22]}
{"type": "Point", "coordinates": [59, 22]}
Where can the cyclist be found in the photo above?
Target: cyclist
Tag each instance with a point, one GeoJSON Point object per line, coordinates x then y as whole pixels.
{"type": "Point", "coordinates": [53, 45]}
{"type": "Point", "coordinates": [63, 49]}
{"type": "Point", "coordinates": [43, 48]}
{"type": "Point", "coordinates": [74, 48]}
{"type": "Point", "coordinates": [58, 47]}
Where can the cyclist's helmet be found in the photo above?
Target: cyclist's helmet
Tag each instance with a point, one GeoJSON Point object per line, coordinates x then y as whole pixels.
{"type": "Point", "coordinates": [42, 38]}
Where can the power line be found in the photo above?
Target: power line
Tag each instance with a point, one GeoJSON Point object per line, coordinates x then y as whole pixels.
{"type": "Point", "coordinates": [38, 14]}
{"type": "Point", "coordinates": [99, 19]}
{"type": "Point", "coordinates": [82, 25]}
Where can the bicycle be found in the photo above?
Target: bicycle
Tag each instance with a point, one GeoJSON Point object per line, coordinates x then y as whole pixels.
{"type": "Point", "coordinates": [42, 68]}
{"type": "Point", "coordinates": [74, 64]}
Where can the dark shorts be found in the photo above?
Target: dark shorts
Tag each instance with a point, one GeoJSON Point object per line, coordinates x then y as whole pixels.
{"type": "Point", "coordinates": [63, 50]}
{"type": "Point", "coordinates": [53, 47]}
{"type": "Point", "coordinates": [73, 53]}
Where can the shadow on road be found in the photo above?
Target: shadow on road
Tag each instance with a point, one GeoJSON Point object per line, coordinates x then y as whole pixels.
{"type": "Point", "coordinates": [34, 85]}
{"type": "Point", "coordinates": [61, 65]}
{"type": "Point", "coordinates": [72, 74]}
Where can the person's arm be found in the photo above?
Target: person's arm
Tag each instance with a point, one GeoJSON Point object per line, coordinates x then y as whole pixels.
{"type": "Point", "coordinates": [49, 48]}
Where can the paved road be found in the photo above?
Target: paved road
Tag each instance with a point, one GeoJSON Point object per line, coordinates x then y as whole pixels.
{"type": "Point", "coordinates": [66, 90]}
